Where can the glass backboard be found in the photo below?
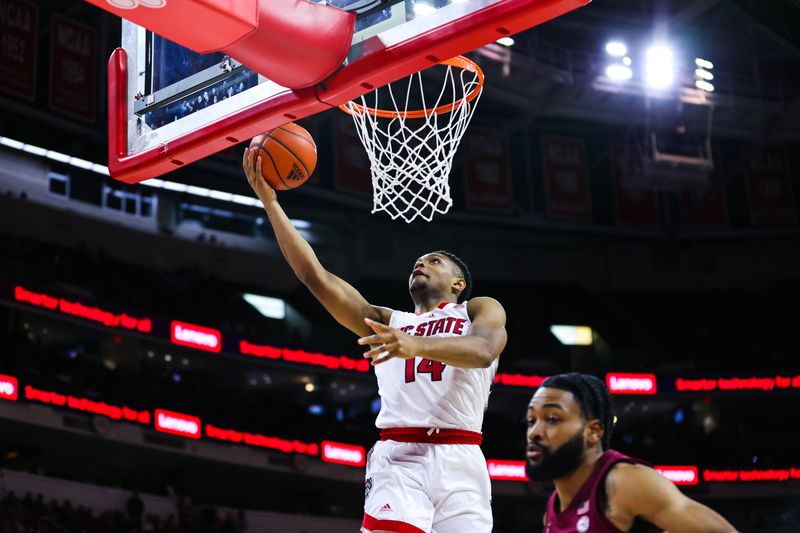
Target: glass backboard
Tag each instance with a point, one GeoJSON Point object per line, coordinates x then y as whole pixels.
{"type": "Point", "coordinates": [170, 106]}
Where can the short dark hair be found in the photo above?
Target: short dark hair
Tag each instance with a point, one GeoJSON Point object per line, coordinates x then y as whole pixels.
{"type": "Point", "coordinates": [463, 271]}
{"type": "Point", "coordinates": [592, 395]}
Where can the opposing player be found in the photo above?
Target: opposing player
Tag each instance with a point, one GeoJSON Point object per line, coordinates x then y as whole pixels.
{"type": "Point", "coordinates": [434, 368]}
{"type": "Point", "coordinates": [599, 490]}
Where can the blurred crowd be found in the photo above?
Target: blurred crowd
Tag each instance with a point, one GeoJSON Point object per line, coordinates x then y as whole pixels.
{"type": "Point", "coordinates": [31, 514]}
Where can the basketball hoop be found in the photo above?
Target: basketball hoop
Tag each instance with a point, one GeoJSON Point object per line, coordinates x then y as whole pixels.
{"type": "Point", "coordinates": [411, 150]}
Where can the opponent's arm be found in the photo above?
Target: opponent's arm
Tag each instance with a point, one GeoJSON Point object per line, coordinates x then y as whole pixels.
{"type": "Point", "coordinates": [339, 298]}
{"type": "Point", "coordinates": [640, 491]}
{"type": "Point", "coordinates": [477, 349]}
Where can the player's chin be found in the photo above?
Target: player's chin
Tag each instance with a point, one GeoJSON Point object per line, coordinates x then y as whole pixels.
{"type": "Point", "coordinates": [417, 284]}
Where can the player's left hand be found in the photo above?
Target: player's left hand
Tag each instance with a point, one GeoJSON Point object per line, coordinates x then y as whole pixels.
{"type": "Point", "coordinates": [388, 343]}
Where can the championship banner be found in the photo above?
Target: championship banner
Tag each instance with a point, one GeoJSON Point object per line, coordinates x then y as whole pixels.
{"type": "Point", "coordinates": [705, 205]}
{"type": "Point", "coordinates": [769, 186]}
{"type": "Point", "coordinates": [352, 163]}
{"type": "Point", "coordinates": [487, 181]}
{"type": "Point", "coordinates": [634, 200]}
{"type": "Point", "coordinates": [73, 47]}
{"type": "Point", "coordinates": [19, 29]}
{"type": "Point", "coordinates": [566, 178]}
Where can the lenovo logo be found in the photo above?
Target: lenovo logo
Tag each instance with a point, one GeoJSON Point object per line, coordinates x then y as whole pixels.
{"type": "Point", "coordinates": [177, 424]}
{"type": "Point", "coordinates": [506, 470]}
{"type": "Point", "coordinates": [8, 387]}
{"type": "Point", "coordinates": [343, 454]}
{"type": "Point", "coordinates": [680, 475]}
{"type": "Point", "coordinates": [619, 383]}
{"type": "Point", "coordinates": [198, 337]}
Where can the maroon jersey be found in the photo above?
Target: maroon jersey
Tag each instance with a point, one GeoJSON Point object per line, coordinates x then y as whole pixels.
{"type": "Point", "coordinates": [586, 512]}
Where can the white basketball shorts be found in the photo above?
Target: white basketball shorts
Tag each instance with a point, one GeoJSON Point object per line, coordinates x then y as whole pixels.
{"type": "Point", "coordinates": [427, 488]}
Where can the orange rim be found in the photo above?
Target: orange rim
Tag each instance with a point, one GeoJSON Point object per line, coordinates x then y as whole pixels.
{"type": "Point", "coordinates": [458, 61]}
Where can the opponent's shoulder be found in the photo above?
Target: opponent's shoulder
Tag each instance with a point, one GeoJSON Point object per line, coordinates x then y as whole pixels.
{"type": "Point", "coordinates": [636, 487]}
{"type": "Point", "coordinates": [625, 475]}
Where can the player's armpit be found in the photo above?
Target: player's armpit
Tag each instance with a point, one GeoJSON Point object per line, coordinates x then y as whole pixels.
{"type": "Point", "coordinates": [640, 491]}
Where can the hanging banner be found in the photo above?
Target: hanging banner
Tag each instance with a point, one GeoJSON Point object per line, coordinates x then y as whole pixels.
{"type": "Point", "coordinates": [705, 205]}
{"type": "Point", "coordinates": [73, 51]}
{"type": "Point", "coordinates": [566, 178]}
{"type": "Point", "coordinates": [769, 187]}
{"type": "Point", "coordinates": [19, 28]}
{"type": "Point", "coordinates": [352, 163]}
{"type": "Point", "coordinates": [487, 180]}
{"type": "Point", "coordinates": [634, 200]}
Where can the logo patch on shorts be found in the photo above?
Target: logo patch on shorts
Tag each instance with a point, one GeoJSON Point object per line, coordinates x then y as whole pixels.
{"type": "Point", "coordinates": [367, 487]}
{"type": "Point", "coordinates": [385, 509]}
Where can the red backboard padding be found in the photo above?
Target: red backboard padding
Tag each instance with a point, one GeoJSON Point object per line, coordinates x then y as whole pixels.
{"type": "Point", "coordinates": [292, 42]}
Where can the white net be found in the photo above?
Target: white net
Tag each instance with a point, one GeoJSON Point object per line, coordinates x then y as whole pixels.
{"type": "Point", "coordinates": [412, 140]}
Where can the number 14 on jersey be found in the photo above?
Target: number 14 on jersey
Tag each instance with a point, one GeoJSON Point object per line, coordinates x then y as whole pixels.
{"type": "Point", "coordinates": [425, 366]}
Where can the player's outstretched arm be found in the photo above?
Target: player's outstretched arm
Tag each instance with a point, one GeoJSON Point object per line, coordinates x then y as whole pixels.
{"type": "Point", "coordinates": [342, 301]}
{"type": "Point", "coordinates": [478, 349]}
{"type": "Point", "coordinates": [639, 491]}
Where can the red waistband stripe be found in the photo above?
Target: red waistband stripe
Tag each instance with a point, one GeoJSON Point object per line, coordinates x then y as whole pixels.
{"type": "Point", "coordinates": [437, 436]}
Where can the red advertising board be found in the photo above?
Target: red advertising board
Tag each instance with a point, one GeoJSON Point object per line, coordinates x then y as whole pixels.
{"type": "Point", "coordinates": [352, 163]}
{"type": "Point", "coordinates": [566, 178]}
{"type": "Point", "coordinates": [73, 66]}
{"type": "Point", "coordinates": [343, 454]}
{"type": "Point", "coordinates": [9, 388]}
{"type": "Point", "coordinates": [505, 470]}
{"type": "Point", "coordinates": [626, 383]}
{"type": "Point", "coordinates": [178, 424]}
{"type": "Point", "coordinates": [19, 29]}
{"type": "Point", "coordinates": [769, 186]}
{"type": "Point", "coordinates": [487, 181]}
{"type": "Point", "coordinates": [680, 475]}
{"type": "Point", "coordinates": [634, 199]}
{"type": "Point", "coordinates": [194, 336]}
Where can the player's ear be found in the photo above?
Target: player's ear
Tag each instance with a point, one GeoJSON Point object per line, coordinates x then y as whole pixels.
{"type": "Point", "coordinates": [594, 431]}
{"type": "Point", "coordinates": [459, 284]}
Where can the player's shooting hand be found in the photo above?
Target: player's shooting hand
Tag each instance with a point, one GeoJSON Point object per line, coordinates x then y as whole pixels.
{"type": "Point", "coordinates": [388, 343]}
{"type": "Point", "coordinates": [252, 169]}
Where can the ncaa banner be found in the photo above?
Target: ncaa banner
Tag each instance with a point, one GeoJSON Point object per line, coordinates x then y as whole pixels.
{"type": "Point", "coordinates": [19, 30]}
{"type": "Point", "coordinates": [487, 182]}
{"type": "Point", "coordinates": [634, 200]}
{"type": "Point", "coordinates": [566, 178]}
{"type": "Point", "coordinates": [352, 164]}
{"type": "Point", "coordinates": [73, 50]}
{"type": "Point", "coordinates": [705, 205]}
{"type": "Point", "coordinates": [769, 187]}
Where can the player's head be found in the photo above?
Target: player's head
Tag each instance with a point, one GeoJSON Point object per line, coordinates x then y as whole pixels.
{"type": "Point", "coordinates": [570, 415]}
{"type": "Point", "coordinates": [440, 272]}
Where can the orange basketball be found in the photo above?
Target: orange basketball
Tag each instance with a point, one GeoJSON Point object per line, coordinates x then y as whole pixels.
{"type": "Point", "coordinates": [288, 156]}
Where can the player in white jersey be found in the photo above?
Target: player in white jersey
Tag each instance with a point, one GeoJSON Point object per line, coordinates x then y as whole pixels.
{"type": "Point", "coordinates": [434, 366]}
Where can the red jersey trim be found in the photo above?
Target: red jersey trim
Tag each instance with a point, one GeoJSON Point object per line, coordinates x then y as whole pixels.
{"type": "Point", "coordinates": [425, 436]}
{"type": "Point", "coordinates": [373, 524]}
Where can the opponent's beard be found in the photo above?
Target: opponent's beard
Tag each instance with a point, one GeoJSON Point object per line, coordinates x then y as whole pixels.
{"type": "Point", "coordinates": [557, 464]}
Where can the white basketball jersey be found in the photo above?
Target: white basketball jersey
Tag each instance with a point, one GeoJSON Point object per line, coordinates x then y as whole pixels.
{"type": "Point", "coordinates": [419, 392]}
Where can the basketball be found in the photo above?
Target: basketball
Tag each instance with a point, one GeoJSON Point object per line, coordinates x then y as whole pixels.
{"type": "Point", "coordinates": [288, 156]}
